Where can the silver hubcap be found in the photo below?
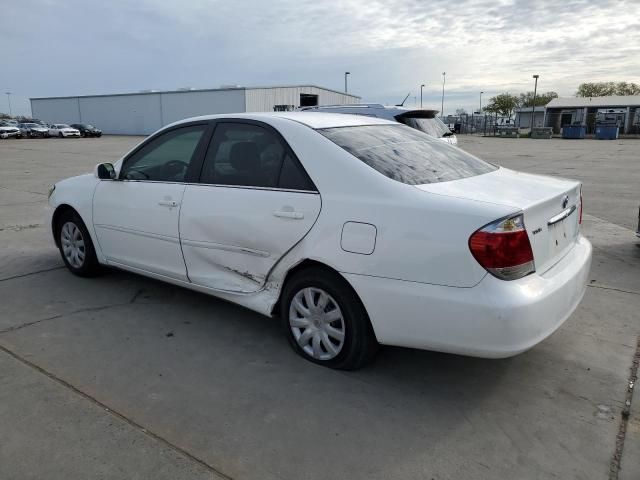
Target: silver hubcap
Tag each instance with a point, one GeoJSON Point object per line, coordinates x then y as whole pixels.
{"type": "Point", "coordinates": [317, 323]}
{"type": "Point", "coordinates": [72, 243]}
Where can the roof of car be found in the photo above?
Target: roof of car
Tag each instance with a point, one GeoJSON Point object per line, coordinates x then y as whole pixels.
{"type": "Point", "coordinates": [310, 119]}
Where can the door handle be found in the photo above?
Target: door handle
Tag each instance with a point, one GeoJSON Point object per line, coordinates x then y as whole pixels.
{"type": "Point", "coordinates": [288, 214]}
{"type": "Point", "coordinates": [168, 203]}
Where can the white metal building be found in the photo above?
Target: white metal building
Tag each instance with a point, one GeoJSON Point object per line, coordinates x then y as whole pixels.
{"type": "Point", "coordinates": [145, 112]}
{"type": "Point", "coordinates": [524, 114]}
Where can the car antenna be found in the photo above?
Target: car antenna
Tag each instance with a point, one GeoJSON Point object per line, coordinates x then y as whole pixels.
{"type": "Point", "coordinates": [405, 99]}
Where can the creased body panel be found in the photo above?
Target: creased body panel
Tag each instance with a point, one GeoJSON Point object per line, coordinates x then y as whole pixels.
{"type": "Point", "coordinates": [232, 237]}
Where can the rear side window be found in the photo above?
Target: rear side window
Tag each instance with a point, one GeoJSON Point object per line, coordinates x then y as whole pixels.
{"type": "Point", "coordinates": [249, 155]}
{"type": "Point", "coordinates": [406, 155]}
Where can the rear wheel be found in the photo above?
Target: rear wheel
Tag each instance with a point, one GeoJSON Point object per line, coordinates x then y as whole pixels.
{"type": "Point", "coordinates": [76, 246]}
{"type": "Point", "coordinates": [325, 321]}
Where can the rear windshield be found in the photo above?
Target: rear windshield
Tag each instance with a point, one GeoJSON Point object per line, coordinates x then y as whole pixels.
{"type": "Point", "coordinates": [405, 154]}
{"type": "Point", "coordinates": [431, 126]}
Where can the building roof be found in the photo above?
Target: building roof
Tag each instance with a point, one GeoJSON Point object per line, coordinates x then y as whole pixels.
{"type": "Point", "coordinates": [538, 109]}
{"type": "Point", "coordinates": [184, 90]}
{"type": "Point", "coordinates": [581, 102]}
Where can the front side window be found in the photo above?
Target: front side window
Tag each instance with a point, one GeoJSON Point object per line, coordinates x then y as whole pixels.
{"type": "Point", "coordinates": [166, 158]}
{"type": "Point", "coordinates": [253, 156]}
{"type": "Point", "coordinates": [406, 155]}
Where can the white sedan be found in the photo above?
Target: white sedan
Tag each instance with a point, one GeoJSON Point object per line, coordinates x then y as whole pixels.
{"type": "Point", "coordinates": [354, 231]}
{"type": "Point", "coordinates": [63, 130]}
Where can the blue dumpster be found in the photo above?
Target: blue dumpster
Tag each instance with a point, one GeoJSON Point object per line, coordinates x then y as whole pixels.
{"type": "Point", "coordinates": [606, 132]}
{"type": "Point", "coordinates": [573, 131]}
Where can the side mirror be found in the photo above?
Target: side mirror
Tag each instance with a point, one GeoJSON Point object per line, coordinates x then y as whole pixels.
{"type": "Point", "coordinates": [105, 171]}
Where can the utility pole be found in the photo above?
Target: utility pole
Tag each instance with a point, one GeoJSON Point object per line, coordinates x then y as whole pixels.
{"type": "Point", "coordinates": [444, 78]}
{"type": "Point", "coordinates": [480, 111]}
{"type": "Point", "coordinates": [9, 100]}
{"type": "Point", "coordinates": [345, 81]}
{"type": "Point", "coordinates": [421, 87]}
{"type": "Point", "coordinates": [533, 109]}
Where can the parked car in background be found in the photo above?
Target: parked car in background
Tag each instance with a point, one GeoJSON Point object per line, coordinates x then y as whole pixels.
{"type": "Point", "coordinates": [10, 131]}
{"type": "Point", "coordinates": [33, 130]}
{"type": "Point", "coordinates": [424, 120]}
{"type": "Point", "coordinates": [87, 130]}
{"type": "Point", "coordinates": [414, 243]}
{"type": "Point", "coordinates": [63, 130]}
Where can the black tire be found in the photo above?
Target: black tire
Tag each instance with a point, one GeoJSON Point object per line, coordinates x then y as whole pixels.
{"type": "Point", "coordinates": [359, 344]}
{"type": "Point", "coordinates": [60, 135]}
{"type": "Point", "coordinates": [89, 265]}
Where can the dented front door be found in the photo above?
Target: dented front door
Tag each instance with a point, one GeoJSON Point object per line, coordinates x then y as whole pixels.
{"type": "Point", "coordinates": [231, 237]}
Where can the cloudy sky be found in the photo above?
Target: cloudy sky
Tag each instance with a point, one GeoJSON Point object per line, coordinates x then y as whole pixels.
{"type": "Point", "coordinates": [71, 47]}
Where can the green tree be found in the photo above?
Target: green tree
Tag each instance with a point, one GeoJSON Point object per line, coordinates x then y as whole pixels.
{"type": "Point", "coordinates": [526, 99]}
{"type": "Point", "coordinates": [503, 104]}
{"type": "Point", "coordinates": [601, 89]}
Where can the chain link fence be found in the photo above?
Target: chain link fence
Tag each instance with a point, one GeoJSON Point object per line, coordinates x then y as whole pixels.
{"type": "Point", "coordinates": [481, 124]}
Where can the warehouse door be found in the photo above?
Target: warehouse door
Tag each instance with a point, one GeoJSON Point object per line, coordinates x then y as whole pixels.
{"type": "Point", "coordinates": [308, 100]}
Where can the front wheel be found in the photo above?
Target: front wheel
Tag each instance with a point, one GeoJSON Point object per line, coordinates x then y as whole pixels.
{"type": "Point", "coordinates": [60, 135]}
{"type": "Point", "coordinates": [75, 245]}
{"type": "Point", "coordinates": [325, 321]}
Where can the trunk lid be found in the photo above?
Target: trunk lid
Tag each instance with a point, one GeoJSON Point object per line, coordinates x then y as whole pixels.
{"type": "Point", "coordinates": [551, 207]}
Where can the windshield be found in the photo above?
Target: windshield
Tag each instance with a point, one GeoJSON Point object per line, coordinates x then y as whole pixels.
{"type": "Point", "coordinates": [405, 154]}
{"type": "Point", "coordinates": [63, 125]}
{"type": "Point", "coordinates": [431, 126]}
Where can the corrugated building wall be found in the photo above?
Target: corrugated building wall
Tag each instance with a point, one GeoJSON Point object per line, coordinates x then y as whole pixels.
{"type": "Point", "coordinates": [263, 99]}
{"type": "Point", "coordinates": [145, 112]}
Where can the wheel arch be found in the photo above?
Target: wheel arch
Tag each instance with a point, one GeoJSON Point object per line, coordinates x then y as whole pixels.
{"type": "Point", "coordinates": [55, 218]}
{"type": "Point", "coordinates": [309, 263]}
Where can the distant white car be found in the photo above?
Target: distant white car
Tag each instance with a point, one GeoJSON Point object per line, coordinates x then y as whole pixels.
{"type": "Point", "coordinates": [424, 120]}
{"type": "Point", "coordinates": [10, 131]}
{"type": "Point", "coordinates": [63, 130]}
{"type": "Point", "coordinates": [352, 230]}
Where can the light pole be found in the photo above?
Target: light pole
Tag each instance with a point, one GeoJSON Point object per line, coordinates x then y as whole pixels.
{"type": "Point", "coordinates": [480, 111]}
{"type": "Point", "coordinates": [345, 81]}
{"type": "Point", "coordinates": [533, 108]}
{"type": "Point", "coordinates": [9, 100]}
{"type": "Point", "coordinates": [421, 87]}
{"type": "Point", "coordinates": [444, 77]}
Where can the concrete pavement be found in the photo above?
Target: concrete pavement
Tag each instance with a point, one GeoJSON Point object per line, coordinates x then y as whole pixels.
{"type": "Point", "coordinates": [199, 388]}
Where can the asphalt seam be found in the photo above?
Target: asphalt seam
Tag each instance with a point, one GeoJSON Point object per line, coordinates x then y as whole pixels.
{"type": "Point", "coordinates": [616, 460]}
{"type": "Point", "coordinates": [158, 438]}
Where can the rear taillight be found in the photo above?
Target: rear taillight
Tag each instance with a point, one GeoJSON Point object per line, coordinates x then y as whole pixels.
{"type": "Point", "coordinates": [503, 248]}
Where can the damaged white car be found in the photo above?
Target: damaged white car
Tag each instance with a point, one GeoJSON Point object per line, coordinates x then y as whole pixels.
{"type": "Point", "coordinates": [354, 231]}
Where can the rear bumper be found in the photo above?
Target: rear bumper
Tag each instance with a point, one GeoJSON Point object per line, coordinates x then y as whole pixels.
{"type": "Point", "coordinates": [494, 319]}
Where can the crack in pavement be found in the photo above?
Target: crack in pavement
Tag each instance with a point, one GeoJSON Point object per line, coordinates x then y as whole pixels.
{"type": "Point", "coordinates": [23, 191]}
{"type": "Point", "coordinates": [616, 460]}
{"type": "Point", "coordinates": [62, 315]}
{"type": "Point", "coordinates": [22, 275]}
{"type": "Point", "coordinates": [604, 287]}
{"type": "Point", "coordinates": [158, 438]}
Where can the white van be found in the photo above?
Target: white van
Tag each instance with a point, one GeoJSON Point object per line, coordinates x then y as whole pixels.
{"type": "Point", "coordinates": [424, 120]}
